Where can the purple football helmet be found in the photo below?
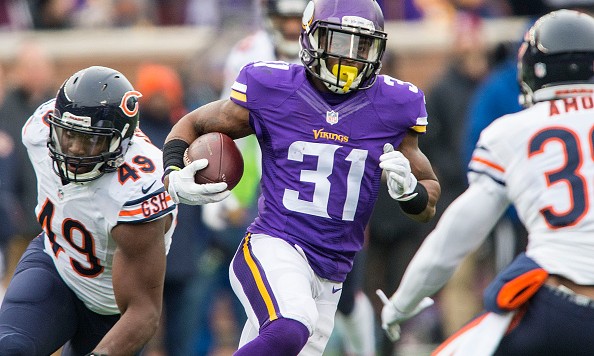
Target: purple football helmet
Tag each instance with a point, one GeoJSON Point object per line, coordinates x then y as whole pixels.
{"type": "Point", "coordinates": [342, 43]}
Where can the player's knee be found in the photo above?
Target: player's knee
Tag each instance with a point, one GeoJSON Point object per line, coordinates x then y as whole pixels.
{"type": "Point", "coordinates": [287, 335]}
{"type": "Point", "coordinates": [32, 286]}
{"type": "Point", "coordinates": [308, 313]}
{"type": "Point", "coordinates": [16, 344]}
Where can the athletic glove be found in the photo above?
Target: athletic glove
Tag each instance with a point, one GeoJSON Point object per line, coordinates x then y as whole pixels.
{"type": "Point", "coordinates": [183, 189]}
{"type": "Point", "coordinates": [392, 317]}
{"type": "Point", "coordinates": [401, 181]}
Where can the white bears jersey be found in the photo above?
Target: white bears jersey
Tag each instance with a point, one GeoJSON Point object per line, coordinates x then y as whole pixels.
{"type": "Point", "coordinates": [255, 47]}
{"type": "Point", "coordinates": [77, 219]}
{"type": "Point", "coordinates": [542, 159]}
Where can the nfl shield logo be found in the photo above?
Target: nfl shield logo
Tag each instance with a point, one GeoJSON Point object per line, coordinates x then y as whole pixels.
{"type": "Point", "coordinates": [331, 117]}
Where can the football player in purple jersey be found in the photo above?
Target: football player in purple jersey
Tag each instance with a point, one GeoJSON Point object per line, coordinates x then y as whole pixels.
{"type": "Point", "coordinates": [327, 129]}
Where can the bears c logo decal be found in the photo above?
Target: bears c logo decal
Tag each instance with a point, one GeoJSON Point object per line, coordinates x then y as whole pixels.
{"type": "Point", "coordinates": [129, 104]}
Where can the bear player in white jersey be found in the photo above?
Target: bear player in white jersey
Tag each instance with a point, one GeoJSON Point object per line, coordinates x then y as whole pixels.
{"type": "Point", "coordinates": [92, 281]}
{"type": "Point", "coordinates": [542, 161]}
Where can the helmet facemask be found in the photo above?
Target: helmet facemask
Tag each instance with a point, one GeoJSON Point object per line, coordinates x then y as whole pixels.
{"type": "Point", "coordinates": [345, 57]}
{"type": "Point", "coordinates": [82, 153]}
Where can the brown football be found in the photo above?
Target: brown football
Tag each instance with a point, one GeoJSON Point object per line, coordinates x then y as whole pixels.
{"type": "Point", "coordinates": [225, 163]}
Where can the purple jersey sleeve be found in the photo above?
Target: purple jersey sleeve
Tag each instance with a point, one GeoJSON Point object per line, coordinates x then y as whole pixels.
{"type": "Point", "coordinates": [320, 162]}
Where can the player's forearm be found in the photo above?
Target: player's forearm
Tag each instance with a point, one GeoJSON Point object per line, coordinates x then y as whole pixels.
{"type": "Point", "coordinates": [130, 333]}
{"type": "Point", "coordinates": [433, 191]}
{"type": "Point", "coordinates": [218, 116]}
{"type": "Point", "coordinates": [462, 229]}
{"type": "Point", "coordinates": [425, 275]}
{"type": "Point", "coordinates": [198, 122]}
{"type": "Point", "coordinates": [184, 129]}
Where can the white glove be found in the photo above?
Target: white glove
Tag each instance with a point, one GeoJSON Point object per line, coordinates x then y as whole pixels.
{"type": "Point", "coordinates": [183, 189]}
{"type": "Point", "coordinates": [401, 181]}
{"type": "Point", "coordinates": [392, 317]}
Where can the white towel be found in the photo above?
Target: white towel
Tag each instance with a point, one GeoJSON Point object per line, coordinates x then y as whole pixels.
{"type": "Point", "coordinates": [478, 338]}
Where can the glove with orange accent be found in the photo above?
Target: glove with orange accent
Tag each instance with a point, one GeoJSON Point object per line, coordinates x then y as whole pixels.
{"type": "Point", "coordinates": [183, 189]}
{"type": "Point", "coordinates": [392, 317]}
{"type": "Point", "coordinates": [401, 181]}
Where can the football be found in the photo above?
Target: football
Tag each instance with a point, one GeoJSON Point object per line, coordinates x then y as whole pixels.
{"type": "Point", "coordinates": [225, 162]}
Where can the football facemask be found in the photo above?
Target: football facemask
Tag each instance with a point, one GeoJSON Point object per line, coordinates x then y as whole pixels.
{"type": "Point", "coordinates": [80, 153]}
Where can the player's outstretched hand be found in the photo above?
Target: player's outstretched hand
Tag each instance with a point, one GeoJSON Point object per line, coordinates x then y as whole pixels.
{"type": "Point", "coordinates": [401, 181]}
{"type": "Point", "coordinates": [183, 189]}
{"type": "Point", "coordinates": [392, 317]}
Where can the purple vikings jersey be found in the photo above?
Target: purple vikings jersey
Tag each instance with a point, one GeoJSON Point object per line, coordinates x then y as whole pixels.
{"type": "Point", "coordinates": [320, 161]}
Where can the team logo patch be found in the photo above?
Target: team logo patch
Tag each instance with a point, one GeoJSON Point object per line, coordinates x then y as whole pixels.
{"type": "Point", "coordinates": [129, 104]}
{"type": "Point", "coordinates": [331, 117]}
{"type": "Point", "coordinates": [323, 135]}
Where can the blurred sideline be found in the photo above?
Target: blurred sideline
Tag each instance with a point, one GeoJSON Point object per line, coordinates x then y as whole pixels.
{"type": "Point", "coordinates": [422, 47]}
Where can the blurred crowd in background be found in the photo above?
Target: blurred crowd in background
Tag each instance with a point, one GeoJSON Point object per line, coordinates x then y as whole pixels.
{"type": "Point", "coordinates": [476, 85]}
{"type": "Point", "coordinates": [63, 14]}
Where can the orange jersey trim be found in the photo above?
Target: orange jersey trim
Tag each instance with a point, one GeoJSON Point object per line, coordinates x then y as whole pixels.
{"type": "Point", "coordinates": [489, 163]}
